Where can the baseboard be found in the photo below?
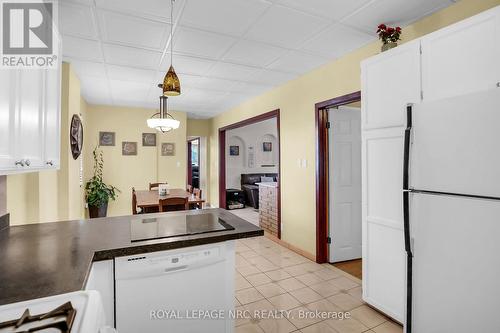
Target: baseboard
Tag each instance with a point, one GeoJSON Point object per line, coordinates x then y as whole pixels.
{"type": "Point", "coordinates": [4, 221]}
{"type": "Point", "coordinates": [289, 246]}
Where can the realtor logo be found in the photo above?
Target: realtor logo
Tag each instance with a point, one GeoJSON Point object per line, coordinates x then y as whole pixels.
{"type": "Point", "coordinates": [29, 34]}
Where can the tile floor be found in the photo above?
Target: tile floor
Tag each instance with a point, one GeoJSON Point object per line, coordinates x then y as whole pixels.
{"type": "Point", "coordinates": [248, 213]}
{"type": "Point", "coordinates": [271, 277]}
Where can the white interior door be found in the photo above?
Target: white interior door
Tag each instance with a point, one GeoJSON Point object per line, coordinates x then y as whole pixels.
{"type": "Point", "coordinates": [345, 184]}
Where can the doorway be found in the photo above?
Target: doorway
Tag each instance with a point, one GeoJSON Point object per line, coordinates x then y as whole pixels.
{"type": "Point", "coordinates": [326, 233]}
{"type": "Point", "coordinates": [193, 165]}
{"type": "Point", "coordinates": [250, 161]}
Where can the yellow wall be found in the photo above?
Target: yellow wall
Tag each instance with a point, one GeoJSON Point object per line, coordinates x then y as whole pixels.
{"type": "Point", "coordinates": [296, 100]}
{"type": "Point", "coordinates": [48, 196]}
{"type": "Point", "coordinates": [198, 127]}
{"type": "Point", "coordinates": [125, 172]}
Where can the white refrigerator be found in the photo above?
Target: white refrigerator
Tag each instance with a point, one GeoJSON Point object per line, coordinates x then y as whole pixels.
{"type": "Point", "coordinates": [451, 201]}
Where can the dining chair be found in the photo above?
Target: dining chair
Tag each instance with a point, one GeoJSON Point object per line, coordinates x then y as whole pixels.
{"type": "Point", "coordinates": [134, 202]}
{"type": "Point", "coordinates": [189, 188]}
{"type": "Point", "coordinates": [154, 186]}
{"type": "Point", "coordinates": [173, 204]}
{"type": "Point", "coordinates": [197, 195]}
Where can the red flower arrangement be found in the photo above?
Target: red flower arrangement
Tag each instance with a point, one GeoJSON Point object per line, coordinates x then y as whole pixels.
{"type": "Point", "coordinates": [388, 34]}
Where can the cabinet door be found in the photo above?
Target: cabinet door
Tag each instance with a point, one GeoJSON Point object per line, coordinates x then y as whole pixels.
{"type": "Point", "coordinates": [7, 121]}
{"type": "Point", "coordinates": [462, 58]}
{"type": "Point", "coordinates": [30, 99]}
{"type": "Point", "coordinates": [390, 81]}
{"type": "Point", "coordinates": [52, 122]}
{"type": "Point", "coordinates": [383, 243]}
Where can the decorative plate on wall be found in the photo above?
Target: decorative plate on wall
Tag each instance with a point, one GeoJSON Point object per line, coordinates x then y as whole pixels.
{"type": "Point", "coordinates": [76, 136]}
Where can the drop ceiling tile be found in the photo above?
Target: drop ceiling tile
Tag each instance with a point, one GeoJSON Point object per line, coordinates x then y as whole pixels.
{"type": "Point", "coordinates": [95, 90]}
{"type": "Point", "coordinates": [153, 9]}
{"type": "Point", "coordinates": [201, 43]}
{"type": "Point", "coordinates": [87, 68]}
{"type": "Point", "coordinates": [272, 78]}
{"type": "Point", "coordinates": [253, 89]}
{"type": "Point", "coordinates": [129, 56]}
{"type": "Point", "coordinates": [253, 53]}
{"type": "Point", "coordinates": [209, 83]}
{"type": "Point", "coordinates": [187, 65]}
{"type": "Point", "coordinates": [231, 17]}
{"type": "Point", "coordinates": [128, 91]}
{"type": "Point", "coordinates": [297, 62]}
{"type": "Point", "coordinates": [286, 27]}
{"type": "Point", "coordinates": [83, 49]}
{"type": "Point", "coordinates": [337, 41]}
{"type": "Point", "coordinates": [77, 20]}
{"type": "Point", "coordinates": [329, 9]}
{"type": "Point", "coordinates": [123, 73]}
{"type": "Point", "coordinates": [228, 71]}
{"type": "Point", "coordinates": [397, 12]}
{"type": "Point", "coordinates": [129, 30]}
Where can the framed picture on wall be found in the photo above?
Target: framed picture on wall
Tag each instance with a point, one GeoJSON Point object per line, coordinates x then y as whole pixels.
{"type": "Point", "coordinates": [129, 148]}
{"type": "Point", "coordinates": [149, 139]}
{"type": "Point", "coordinates": [168, 149]}
{"type": "Point", "coordinates": [267, 146]}
{"type": "Point", "coordinates": [106, 138]}
{"type": "Point", "coordinates": [234, 150]}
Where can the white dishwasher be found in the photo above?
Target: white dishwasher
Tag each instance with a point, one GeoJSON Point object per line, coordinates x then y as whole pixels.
{"type": "Point", "coordinates": [184, 290]}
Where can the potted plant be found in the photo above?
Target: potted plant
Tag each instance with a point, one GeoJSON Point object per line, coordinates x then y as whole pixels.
{"type": "Point", "coordinates": [97, 193]}
{"type": "Point", "coordinates": [389, 36]}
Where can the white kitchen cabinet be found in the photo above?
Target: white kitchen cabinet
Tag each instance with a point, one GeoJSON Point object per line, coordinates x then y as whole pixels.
{"type": "Point", "coordinates": [30, 119]}
{"type": "Point", "coordinates": [390, 81]}
{"type": "Point", "coordinates": [101, 278]}
{"type": "Point", "coordinates": [462, 58]}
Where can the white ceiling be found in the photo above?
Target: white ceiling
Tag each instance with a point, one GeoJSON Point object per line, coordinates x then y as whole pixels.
{"type": "Point", "coordinates": [225, 51]}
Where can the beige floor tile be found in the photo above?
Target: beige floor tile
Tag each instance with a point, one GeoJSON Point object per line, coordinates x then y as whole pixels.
{"type": "Point", "coordinates": [327, 274]}
{"type": "Point", "coordinates": [257, 309]}
{"type": "Point", "coordinates": [350, 325]}
{"type": "Point", "coordinates": [240, 320]}
{"type": "Point", "coordinates": [270, 289]}
{"type": "Point", "coordinates": [281, 325]}
{"type": "Point", "coordinates": [236, 302]}
{"type": "Point", "coordinates": [249, 328]}
{"type": "Point", "coordinates": [241, 283]}
{"type": "Point", "coordinates": [249, 295]}
{"type": "Point", "coordinates": [240, 261]}
{"type": "Point", "coordinates": [326, 289]}
{"type": "Point", "coordinates": [309, 278]}
{"type": "Point", "coordinates": [388, 327]}
{"type": "Point", "coordinates": [248, 270]}
{"type": "Point", "coordinates": [320, 327]}
{"type": "Point", "coordinates": [356, 292]}
{"type": "Point", "coordinates": [345, 301]}
{"type": "Point", "coordinates": [284, 302]}
{"type": "Point", "coordinates": [305, 295]}
{"type": "Point", "coordinates": [344, 283]}
{"type": "Point", "coordinates": [258, 279]}
{"type": "Point", "coordinates": [279, 274]}
{"type": "Point", "coordinates": [249, 254]}
{"type": "Point", "coordinates": [301, 269]}
{"type": "Point", "coordinates": [323, 305]}
{"type": "Point", "coordinates": [291, 284]}
{"type": "Point", "coordinates": [266, 266]}
{"type": "Point", "coordinates": [368, 316]}
{"type": "Point", "coordinates": [302, 317]}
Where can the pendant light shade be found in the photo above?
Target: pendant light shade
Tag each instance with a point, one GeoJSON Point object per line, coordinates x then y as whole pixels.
{"type": "Point", "coordinates": [163, 121]}
{"type": "Point", "coordinates": [171, 83]}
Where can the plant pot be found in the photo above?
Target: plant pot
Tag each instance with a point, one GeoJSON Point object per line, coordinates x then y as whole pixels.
{"type": "Point", "coordinates": [388, 46]}
{"type": "Point", "coordinates": [98, 211]}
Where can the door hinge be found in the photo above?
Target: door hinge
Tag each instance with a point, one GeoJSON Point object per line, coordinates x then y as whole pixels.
{"type": "Point", "coordinates": [328, 240]}
{"type": "Point", "coordinates": [327, 124]}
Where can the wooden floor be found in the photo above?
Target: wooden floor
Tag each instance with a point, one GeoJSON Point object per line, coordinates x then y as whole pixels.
{"type": "Point", "coordinates": [352, 267]}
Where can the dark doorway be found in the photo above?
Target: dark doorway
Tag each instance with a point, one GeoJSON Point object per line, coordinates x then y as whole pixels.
{"type": "Point", "coordinates": [193, 172]}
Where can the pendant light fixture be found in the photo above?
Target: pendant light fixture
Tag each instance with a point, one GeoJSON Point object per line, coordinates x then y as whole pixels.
{"type": "Point", "coordinates": [163, 121]}
{"type": "Point", "coordinates": [171, 84]}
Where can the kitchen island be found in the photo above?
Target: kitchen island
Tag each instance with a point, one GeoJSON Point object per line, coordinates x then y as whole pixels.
{"type": "Point", "coordinates": [46, 259]}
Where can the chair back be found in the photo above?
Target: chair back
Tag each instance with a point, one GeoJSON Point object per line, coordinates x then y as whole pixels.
{"type": "Point", "coordinates": [154, 186]}
{"type": "Point", "coordinates": [197, 193]}
{"type": "Point", "coordinates": [173, 204]}
{"type": "Point", "coordinates": [134, 202]}
{"type": "Point", "coordinates": [189, 188]}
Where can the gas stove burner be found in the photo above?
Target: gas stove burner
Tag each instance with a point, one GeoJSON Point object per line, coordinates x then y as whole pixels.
{"type": "Point", "coordinates": [61, 319]}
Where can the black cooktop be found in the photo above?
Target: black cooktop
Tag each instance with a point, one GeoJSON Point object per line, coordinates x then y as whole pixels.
{"type": "Point", "coordinates": [176, 224]}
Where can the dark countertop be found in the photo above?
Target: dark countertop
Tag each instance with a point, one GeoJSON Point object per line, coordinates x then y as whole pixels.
{"type": "Point", "coordinates": [45, 259]}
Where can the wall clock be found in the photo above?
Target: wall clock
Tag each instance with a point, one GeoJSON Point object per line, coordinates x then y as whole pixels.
{"type": "Point", "coordinates": [76, 136]}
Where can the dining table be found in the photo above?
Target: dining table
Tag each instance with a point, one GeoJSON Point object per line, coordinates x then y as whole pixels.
{"type": "Point", "coordinates": [151, 198]}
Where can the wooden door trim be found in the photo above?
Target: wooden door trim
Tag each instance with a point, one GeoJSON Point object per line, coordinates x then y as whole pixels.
{"type": "Point", "coordinates": [322, 195]}
{"type": "Point", "coordinates": [222, 156]}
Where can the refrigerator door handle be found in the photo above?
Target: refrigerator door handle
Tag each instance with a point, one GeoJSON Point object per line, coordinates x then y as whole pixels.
{"type": "Point", "coordinates": [407, 142]}
{"type": "Point", "coordinates": [409, 259]}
